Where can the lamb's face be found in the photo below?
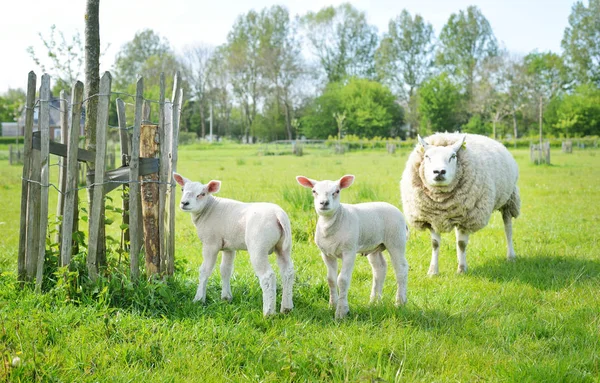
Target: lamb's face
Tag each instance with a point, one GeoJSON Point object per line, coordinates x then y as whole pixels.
{"type": "Point", "coordinates": [195, 195]}
{"type": "Point", "coordinates": [326, 193]}
{"type": "Point", "coordinates": [439, 165]}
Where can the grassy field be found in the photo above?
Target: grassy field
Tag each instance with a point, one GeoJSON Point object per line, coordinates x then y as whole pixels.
{"type": "Point", "coordinates": [534, 320]}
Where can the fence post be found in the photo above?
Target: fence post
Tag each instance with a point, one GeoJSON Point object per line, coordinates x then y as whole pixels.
{"type": "Point", "coordinates": [134, 186]}
{"type": "Point", "coordinates": [124, 140]}
{"type": "Point", "coordinates": [149, 149]}
{"type": "Point", "coordinates": [177, 97]}
{"type": "Point", "coordinates": [163, 176]}
{"type": "Point", "coordinates": [25, 186]}
{"type": "Point", "coordinates": [62, 171]}
{"type": "Point", "coordinates": [71, 175]}
{"type": "Point", "coordinates": [44, 118]}
{"type": "Point", "coordinates": [95, 215]}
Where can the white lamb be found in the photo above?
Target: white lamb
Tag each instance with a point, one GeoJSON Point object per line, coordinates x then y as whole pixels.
{"type": "Point", "coordinates": [343, 230]}
{"type": "Point", "coordinates": [455, 181]}
{"type": "Point", "coordinates": [229, 225]}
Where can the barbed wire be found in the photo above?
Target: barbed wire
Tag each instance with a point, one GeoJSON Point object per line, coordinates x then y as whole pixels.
{"type": "Point", "coordinates": [92, 185]}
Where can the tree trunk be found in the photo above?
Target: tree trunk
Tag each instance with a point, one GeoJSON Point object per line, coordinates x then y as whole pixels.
{"type": "Point", "coordinates": [288, 120]}
{"type": "Point", "coordinates": [514, 116]}
{"type": "Point", "coordinates": [92, 87]}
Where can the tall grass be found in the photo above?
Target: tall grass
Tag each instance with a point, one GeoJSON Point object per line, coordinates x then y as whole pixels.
{"type": "Point", "coordinates": [535, 320]}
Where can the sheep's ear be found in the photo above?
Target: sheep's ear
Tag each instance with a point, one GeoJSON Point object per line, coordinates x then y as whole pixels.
{"type": "Point", "coordinates": [459, 144]}
{"type": "Point", "coordinates": [346, 181]}
{"type": "Point", "coordinates": [213, 187]}
{"type": "Point", "coordinates": [306, 182]}
{"type": "Point", "coordinates": [181, 181]}
{"type": "Point", "coordinates": [424, 145]}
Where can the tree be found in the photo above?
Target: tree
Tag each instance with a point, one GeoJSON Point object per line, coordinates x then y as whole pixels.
{"type": "Point", "coordinates": [578, 114]}
{"type": "Point", "coordinates": [581, 41]}
{"type": "Point", "coordinates": [219, 94]}
{"type": "Point", "coordinates": [439, 105]}
{"type": "Point", "coordinates": [465, 42]}
{"type": "Point", "coordinates": [342, 40]}
{"type": "Point", "coordinates": [66, 58]}
{"type": "Point", "coordinates": [196, 69]}
{"type": "Point", "coordinates": [11, 104]}
{"type": "Point", "coordinates": [405, 54]}
{"type": "Point", "coordinates": [369, 107]}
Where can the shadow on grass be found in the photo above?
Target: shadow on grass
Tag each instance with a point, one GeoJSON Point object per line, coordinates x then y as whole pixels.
{"type": "Point", "coordinates": [542, 271]}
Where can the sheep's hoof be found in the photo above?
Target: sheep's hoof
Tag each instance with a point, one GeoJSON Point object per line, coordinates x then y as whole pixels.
{"type": "Point", "coordinates": [227, 298]}
{"type": "Point", "coordinates": [341, 312]}
{"type": "Point", "coordinates": [462, 269]}
{"type": "Point", "coordinates": [511, 258]}
{"type": "Point", "coordinates": [286, 310]}
{"type": "Point", "coordinates": [199, 299]}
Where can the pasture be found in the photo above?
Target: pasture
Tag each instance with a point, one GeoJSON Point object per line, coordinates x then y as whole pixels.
{"type": "Point", "coordinates": [537, 319]}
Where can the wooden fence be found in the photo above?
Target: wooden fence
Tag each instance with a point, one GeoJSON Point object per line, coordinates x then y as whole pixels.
{"type": "Point", "coordinates": [154, 230]}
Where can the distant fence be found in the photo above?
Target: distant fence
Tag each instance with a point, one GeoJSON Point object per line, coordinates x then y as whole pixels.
{"type": "Point", "coordinates": [151, 197]}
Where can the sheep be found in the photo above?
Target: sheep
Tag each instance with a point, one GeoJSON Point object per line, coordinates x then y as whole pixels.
{"type": "Point", "coordinates": [454, 180]}
{"type": "Point", "coordinates": [343, 230]}
{"type": "Point", "coordinates": [229, 225]}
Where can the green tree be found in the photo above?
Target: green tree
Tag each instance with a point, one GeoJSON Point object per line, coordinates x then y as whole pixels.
{"type": "Point", "coordinates": [342, 40]}
{"type": "Point", "coordinates": [11, 104]}
{"type": "Point", "coordinates": [370, 108]}
{"type": "Point", "coordinates": [196, 60]}
{"type": "Point", "coordinates": [578, 114]}
{"type": "Point", "coordinates": [405, 55]}
{"type": "Point", "coordinates": [465, 42]}
{"type": "Point", "coordinates": [581, 41]}
{"type": "Point", "coordinates": [439, 105]}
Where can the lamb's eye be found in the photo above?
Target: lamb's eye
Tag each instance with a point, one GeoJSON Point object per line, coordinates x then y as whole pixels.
{"type": "Point", "coordinates": [314, 192]}
{"type": "Point", "coordinates": [202, 194]}
{"type": "Point", "coordinates": [427, 157]}
{"type": "Point", "coordinates": [336, 192]}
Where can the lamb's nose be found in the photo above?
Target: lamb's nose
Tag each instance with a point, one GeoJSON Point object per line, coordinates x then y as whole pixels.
{"type": "Point", "coordinates": [184, 203]}
{"type": "Point", "coordinates": [442, 172]}
{"type": "Point", "coordinates": [324, 203]}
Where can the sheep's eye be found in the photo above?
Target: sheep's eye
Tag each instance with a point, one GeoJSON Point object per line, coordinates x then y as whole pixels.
{"type": "Point", "coordinates": [426, 156]}
{"type": "Point", "coordinates": [203, 194]}
{"type": "Point", "coordinates": [314, 191]}
{"type": "Point", "coordinates": [336, 192]}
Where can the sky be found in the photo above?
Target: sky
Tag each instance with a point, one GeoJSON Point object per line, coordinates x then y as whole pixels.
{"type": "Point", "coordinates": [522, 26]}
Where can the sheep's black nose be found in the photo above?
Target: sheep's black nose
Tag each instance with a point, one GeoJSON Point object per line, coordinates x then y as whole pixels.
{"type": "Point", "coordinates": [442, 172]}
{"type": "Point", "coordinates": [324, 203]}
{"type": "Point", "coordinates": [185, 203]}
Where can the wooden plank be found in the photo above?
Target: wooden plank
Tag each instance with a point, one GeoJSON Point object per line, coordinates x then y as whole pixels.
{"type": "Point", "coordinates": [71, 174]}
{"type": "Point", "coordinates": [95, 216]}
{"type": "Point", "coordinates": [163, 176]}
{"type": "Point", "coordinates": [134, 186]}
{"type": "Point", "coordinates": [59, 149]}
{"type": "Point", "coordinates": [177, 99]}
{"type": "Point", "coordinates": [124, 140]}
{"type": "Point", "coordinates": [44, 118]}
{"type": "Point", "coordinates": [149, 149]}
{"type": "Point", "coordinates": [62, 171]}
{"type": "Point", "coordinates": [33, 215]}
{"type": "Point", "coordinates": [25, 186]}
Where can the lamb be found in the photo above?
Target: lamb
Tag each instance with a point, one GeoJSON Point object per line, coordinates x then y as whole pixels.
{"type": "Point", "coordinates": [343, 230]}
{"type": "Point", "coordinates": [454, 180]}
{"type": "Point", "coordinates": [229, 225]}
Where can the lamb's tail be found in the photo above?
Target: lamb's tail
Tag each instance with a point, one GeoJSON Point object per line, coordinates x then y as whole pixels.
{"type": "Point", "coordinates": [513, 205]}
{"type": "Point", "coordinates": [284, 223]}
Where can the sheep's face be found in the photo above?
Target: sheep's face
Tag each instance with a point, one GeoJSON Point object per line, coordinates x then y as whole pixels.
{"type": "Point", "coordinates": [326, 193]}
{"type": "Point", "coordinates": [440, 162]}
{"type": "Point", "coordinates": [195, 195]}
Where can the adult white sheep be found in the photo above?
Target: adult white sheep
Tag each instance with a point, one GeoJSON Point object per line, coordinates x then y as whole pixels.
{"type": "Point", "coordinates": [454, 180]}
{"type": "Point", "coordinates": [343, 230]}
{"type": "Point", "coordinates": [229, 225]}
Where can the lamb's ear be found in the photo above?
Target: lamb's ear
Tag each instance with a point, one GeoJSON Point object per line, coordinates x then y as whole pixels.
{"type": "Point", "coordinates": [424, 145]}
{"type": "Point", "coordinates": [213, 187]}
{"type": "Point", "coordinates": [306, 182]}
{"type": "Point", "coordinates": [181, 181]}
{"type": "Point", "coordinates": [346, 181]}
{"type": "Point", "coordinates": [460, 143]}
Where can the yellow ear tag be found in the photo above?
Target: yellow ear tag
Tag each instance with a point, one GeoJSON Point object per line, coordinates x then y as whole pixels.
{"type": "Point", "coordinates": [464, 145]}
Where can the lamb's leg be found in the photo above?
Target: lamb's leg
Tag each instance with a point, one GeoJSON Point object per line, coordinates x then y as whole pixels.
{"type": "Point", "coordinates": [332, 267]}
{"type": "Point", "coordinates": [286, 270]}
{"type": "Point", "coordinates": [507, 218]}
{"type": "Point", "coordinates": [226, 271]}
{"type": "Point", "coordinates": [343, 282]}
{"type": "Point", "coordinates": [209, 255]}
{"type": "Point", "coordinates": [398, 259]}
{"type": "Point", "coordinates": [379, 267]}
{"type": "Point", "coordinates": [436, 241]}
{"type": "Point", "coordinates": [462, 240]}
{"type": "Point", "coordinates": [268, 281]}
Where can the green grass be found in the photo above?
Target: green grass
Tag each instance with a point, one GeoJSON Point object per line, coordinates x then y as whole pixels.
{"type": "Point", "coordinates": [534, 320]}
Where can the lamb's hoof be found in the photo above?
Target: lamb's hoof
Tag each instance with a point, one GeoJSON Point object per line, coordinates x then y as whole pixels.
{"type": "Point", "coordinates": [286, 310]}
{"type": "Point", "coordinates": [341, 312]}
{"type": "Point", "coordinates": [511, 258]}
{"type": "Point", "coordinates": [269, 313]}
{"type": "Point", "coordinates": [227, 298]}
{"type": "Point", "coordinates": [462, 269]}
{"type": "Point", "coordinates": [432, 273]}
{"type": "Point", "coordinates": [200, 299]}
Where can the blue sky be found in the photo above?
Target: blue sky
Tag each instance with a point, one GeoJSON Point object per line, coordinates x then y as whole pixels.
{"type": "Point", "coordinates": [521, 25]}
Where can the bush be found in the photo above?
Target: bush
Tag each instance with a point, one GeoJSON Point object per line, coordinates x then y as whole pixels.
{"type": "Point", "coordinates": [186, 138]}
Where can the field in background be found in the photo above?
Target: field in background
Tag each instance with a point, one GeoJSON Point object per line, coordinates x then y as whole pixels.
{"type": "Point", "coordinates": [537, 319]}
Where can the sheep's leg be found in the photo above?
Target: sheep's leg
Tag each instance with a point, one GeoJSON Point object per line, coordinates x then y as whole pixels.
{"type": "Point", "coordinates": [462, 239]}
{"type": "Point", "coordinates": [379, 267]}
{"type": "Point", "coordinates": [507, 218]}
{"type": "Point", "coordinates": [436, 241]}
{"type": "Point", "coordinates": [286, 270]}
{"type": "Point", "coordinates": [266, 277]}
{"type": "Point", "coordinates": [226, 271]}
{"type": "Point", "coordinates": [332, 267]}
{"type": "Point", "coordinates": [343, 281]}
{"type": "Point", "coordinates": [398, 259]}
{"type": "Point", "coordinates": [209, 255]}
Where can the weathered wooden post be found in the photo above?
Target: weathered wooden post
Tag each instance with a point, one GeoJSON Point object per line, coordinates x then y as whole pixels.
{"type": "Point", "coordinates": [124, 140]}
{"type": "Point", "coordinates": [163, 176]}
{"type": "Point", "coordinates": [95, 215]}
{"type": "Point", "coordinates": [175, 115]}
{"type": "Point", "coordinates": [62, 171]}
{"type": "Point", "coordinates": [149, 186]}
{"type": "Point", "coordinates": [134, 186]}
{"type": "Point", "coordinates": [25, 185]}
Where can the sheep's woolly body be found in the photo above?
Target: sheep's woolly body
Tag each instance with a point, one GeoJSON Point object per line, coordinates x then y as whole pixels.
{"type": "Point", "coordinates": [485, 181]}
